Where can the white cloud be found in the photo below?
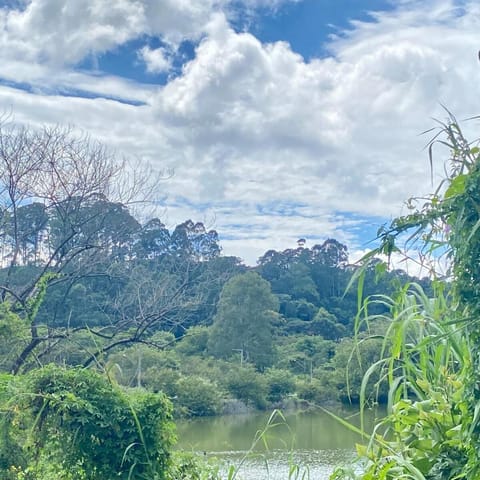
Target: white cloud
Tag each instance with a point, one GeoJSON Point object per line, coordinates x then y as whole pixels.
{"type": "Point", "coordinates": [248, 124]}
{"type": "Point", "coordinates": [351, 121]}
{"type": "Point", "coordinates": [66, 31]}
{"type": "Point", "coordinates": [156, 60]}
{"type": "Point", "coordinates": [178, 20]}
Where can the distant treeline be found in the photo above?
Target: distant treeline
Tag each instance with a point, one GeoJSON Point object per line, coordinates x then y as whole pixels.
{"type": "Point", "coordinates": [120, 282]}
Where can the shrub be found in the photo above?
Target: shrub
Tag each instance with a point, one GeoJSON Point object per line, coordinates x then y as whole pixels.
{"type": "Point", "coordinates": [194, 342]}
{"type": "Point", "coordinates": [314, 392]}
{"type": "Point", "coordinates": [246, 384]}
{"type": "Point", "coordinates": [130, 364]}
{"type": "Point", "coordinates": [280, 383]}
{"type": "Point", "coordinates": [13, 328]}
{"type": "Point", "coordinates": [161, 380]}
{"type": "Point", "coordinates": [74, 424]}
{"type": "Point", "coordinates": [197, 397]}
{"type": "Point", "coordinates": [348, 367]}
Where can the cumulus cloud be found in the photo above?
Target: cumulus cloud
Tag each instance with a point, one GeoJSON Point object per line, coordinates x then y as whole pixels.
{"type": "Point", "coordinates": [157, 60]}
{"type": "Point", "coordinates": [351, 120]}
{"type": "Point", "coordinates": [248, 126]}
{"type": "Point", "coordinates": [177, 20]}
{"type": "Point", "coordinates": [340, 133]}
{"type": "Point", "coordinates": [65, 31]}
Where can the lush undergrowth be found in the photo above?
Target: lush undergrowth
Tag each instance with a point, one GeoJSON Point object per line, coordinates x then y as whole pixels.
{"type": "Point", "coordinates": [306, 370]}
{"type": "Point", "coordinates": [74, 424]}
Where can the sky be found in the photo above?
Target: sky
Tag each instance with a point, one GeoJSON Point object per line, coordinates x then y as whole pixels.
{"type": "Point", "coordinates": [280, 119]}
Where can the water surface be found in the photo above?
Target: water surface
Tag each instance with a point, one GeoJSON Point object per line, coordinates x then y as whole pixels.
{"type": "Point", "coordinates": [312, 440]}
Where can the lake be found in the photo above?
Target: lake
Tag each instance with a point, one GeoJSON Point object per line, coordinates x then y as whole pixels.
{"type": "Point", "coordinates": [312, 440]}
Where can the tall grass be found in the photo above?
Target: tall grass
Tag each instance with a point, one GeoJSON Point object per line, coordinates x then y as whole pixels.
{"type": "Point", "coordinates": [426, 360]}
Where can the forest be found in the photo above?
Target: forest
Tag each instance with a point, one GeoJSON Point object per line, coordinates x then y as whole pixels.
{"type": "Point", "coordinates": [166, 311]}
{"type": "Point", "coordinates": [113, 325]}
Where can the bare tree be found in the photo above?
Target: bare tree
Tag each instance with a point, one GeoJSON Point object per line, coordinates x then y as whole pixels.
{"type": "Point", "coordinates": [19, 167]}
{"type": "Point", "coordinates": [74, 179]}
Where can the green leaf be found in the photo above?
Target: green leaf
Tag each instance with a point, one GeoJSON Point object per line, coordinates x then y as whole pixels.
{"type": "Point", "coordinates": [457, 186]}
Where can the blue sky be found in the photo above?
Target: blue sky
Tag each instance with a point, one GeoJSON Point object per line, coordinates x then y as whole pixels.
{"type": "Point", "coordinates": [307, 24]}
{"type": "Point", "coordinates": [281, 119]}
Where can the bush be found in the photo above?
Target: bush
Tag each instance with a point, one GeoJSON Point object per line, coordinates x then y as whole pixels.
{"type": "Point", "coordinates": [246, 384]}
{"type": "Point", "coordinates": [195, 341]}
{"type": "Point", "coordinates": [353, 360]}
{"type": "Point", "coordinates": [314, 392]}
{"type": "Point", "coordinates": [327, 325]}
{"type": "Point", "coordinates": [131, 364]}
{"type": "Point", "coordinates": [13, 328]}
{"type": "Point", "coordinates": [301, 353]}
{"type": "Point", "coordinates": [74, 424]}
{"type": "Point", "coordinates": [280, 383]}
{"type": "Point", "coordinates": [197, 397]}
{"type": "Point", "coordinates": [161, 380]}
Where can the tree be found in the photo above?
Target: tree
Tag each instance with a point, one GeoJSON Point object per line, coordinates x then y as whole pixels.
{"type": "Point", "coordinates": [194, 240]}
{"type": "Point", "coordinates": [328, 267]}
{"type": "Point", "coordinates": [242, 325]}
{"type": "Point", "coordinates": [154, 239]}
{"type": "Point", "coordinates": [327, 325]}
{"type": "Point", "coordinates": [297, 282]}
{"type": "Point", "coordinates": [32, 220]}
{"type": "Point", "coordinates": [103, 225]}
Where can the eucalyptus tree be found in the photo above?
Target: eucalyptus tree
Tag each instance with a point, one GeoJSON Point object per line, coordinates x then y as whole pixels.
{"type": "Point", "coordinates": [194, 240]}
{"type": "Point", "coordinates": [153, 240]}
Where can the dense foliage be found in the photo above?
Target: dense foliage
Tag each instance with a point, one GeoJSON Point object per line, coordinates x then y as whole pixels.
{"type": "Point", "coordinates": [86, 283]}
{"type": "Point", "coordinates": [150, 315]}
{"type": "Point", "coordinates": [74, 424]}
